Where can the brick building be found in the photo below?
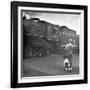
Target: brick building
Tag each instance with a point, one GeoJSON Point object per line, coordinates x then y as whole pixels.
{"type": "Point", "coordinates": [66, 34]}
{"type": "Point", "coordinates": [50, 36]}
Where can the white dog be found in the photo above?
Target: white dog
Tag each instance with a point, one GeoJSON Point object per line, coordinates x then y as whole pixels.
{"type": "Point", "coordinates": [67, 65]}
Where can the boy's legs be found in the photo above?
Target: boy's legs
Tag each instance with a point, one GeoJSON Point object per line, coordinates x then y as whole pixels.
{"type": "Point", "coordinates": [70, 59]}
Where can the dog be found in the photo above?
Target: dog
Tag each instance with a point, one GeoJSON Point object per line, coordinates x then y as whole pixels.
{"type": "Point", "coordinates": [67, 66]}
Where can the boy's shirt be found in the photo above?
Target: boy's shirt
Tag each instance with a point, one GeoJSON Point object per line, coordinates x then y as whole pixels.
{"type": "Point", "coordinates": [69, 49]}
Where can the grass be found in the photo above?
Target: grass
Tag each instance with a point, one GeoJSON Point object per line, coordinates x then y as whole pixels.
{"type": "Point", "coordinates": [48, 66]}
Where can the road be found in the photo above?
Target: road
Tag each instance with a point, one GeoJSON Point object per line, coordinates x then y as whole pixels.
{"type": "Point", "coordinates": [47, 66]}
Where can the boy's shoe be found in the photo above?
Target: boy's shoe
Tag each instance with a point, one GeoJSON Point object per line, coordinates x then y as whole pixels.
{"type": "Point", "coordinates": [71, 69]}
{"type": "Point", "coordinates": [65, 69]}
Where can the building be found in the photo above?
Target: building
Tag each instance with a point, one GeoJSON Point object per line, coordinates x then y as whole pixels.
{"type": "Point", "coordinates": [65, 34]}
{"type": "Point", "coordinates": [45, 34]}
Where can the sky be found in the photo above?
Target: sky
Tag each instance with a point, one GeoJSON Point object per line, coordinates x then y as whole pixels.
{"type": "Point", "coordinates": [72, 21]}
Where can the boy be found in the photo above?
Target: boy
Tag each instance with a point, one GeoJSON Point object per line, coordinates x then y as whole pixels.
{"type": "Point", "coordinates": [69, 52]}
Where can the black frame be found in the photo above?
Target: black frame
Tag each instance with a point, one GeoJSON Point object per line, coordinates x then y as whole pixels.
{"type": "Point", "coordinates": [14, 44]}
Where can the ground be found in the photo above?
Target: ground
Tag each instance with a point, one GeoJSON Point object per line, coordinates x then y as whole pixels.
{"type": "Point", "coordinates": [48, 66]}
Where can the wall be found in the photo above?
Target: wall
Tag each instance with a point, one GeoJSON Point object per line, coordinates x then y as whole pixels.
{"type": "Point", "coordinates": [5, 46]}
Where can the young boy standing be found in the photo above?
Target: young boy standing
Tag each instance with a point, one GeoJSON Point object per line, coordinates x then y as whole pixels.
{"type": "Point", "coordinates": [69, 52]}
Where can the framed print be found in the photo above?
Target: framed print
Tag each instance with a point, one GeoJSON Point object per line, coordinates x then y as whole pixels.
{"type": "Point", "coordinates": [48, 44]}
